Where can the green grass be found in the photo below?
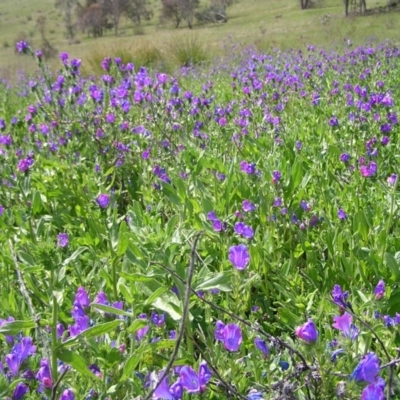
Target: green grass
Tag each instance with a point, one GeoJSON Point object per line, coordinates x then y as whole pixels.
{"type": "Point", "coordinates": [278, 24]}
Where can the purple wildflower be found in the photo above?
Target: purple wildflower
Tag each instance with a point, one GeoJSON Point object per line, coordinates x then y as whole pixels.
{"type": "Point", "coordinates": [239, 256]}
{"type": "Point", "coordinates": [62, 240]}
{"type": "Point", "coordinates": [379, 290]}
{"type": "Point", "coordinates": [232, 335]}
{"type": "Point", "coordinates": [367, 369]}
{"type": "Point", "coordinates": [261, 345]}
{"type": "Point", "coordinates": [307, 332]}
{"type": "Point", "coordinates": [344, 324]}
{"type": "Point", "coordinates": [103, 200]}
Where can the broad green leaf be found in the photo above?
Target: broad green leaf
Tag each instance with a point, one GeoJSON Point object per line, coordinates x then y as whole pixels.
{"type": "Point", "coordinates": [75, 361]}
{"type": "Point", "coordinates": [109, 309]}
{"type": "Point", "coordinates": [12, 328]}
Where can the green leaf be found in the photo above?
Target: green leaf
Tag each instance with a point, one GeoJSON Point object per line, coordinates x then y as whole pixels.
{"type": "Point", "coordinates": [164, 305]}
{"type": "Point", "coordinates": [74, 255]}
{"type": "Point", "coordinates": [160, 291]}
{"type": "Point", "coordinates": [76, 361]}
{"type": "Point", "coordinates": [221, 281]}
{"type": "Point", "coordinates": [94, 331]}
{"type": "Point", "coordinates": [136, 325]}
{"type": "Point", "coordinates": [111, 310]}
{"type": "Point", "coordinates": [12, 328]}
{"type": "Point", "coordinates": [130, 366]}
{"type": "Point", "coordinates": [26, 258]}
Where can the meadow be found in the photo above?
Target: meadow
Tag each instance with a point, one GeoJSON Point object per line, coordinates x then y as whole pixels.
{"type": "Point", "coordinates": [229, 232]}
{"type": "Point", "coordinates": [266, 25]}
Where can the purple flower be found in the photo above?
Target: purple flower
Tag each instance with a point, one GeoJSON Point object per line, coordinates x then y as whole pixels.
{"type": "Point", "coordinates": [157, 319]}
{"type": "Point", "coordinates": [333, 121]}
{"type": "Point", "coordinates": [1, 210]}
{"type": "Point", "coordinates": [276, 176]}
{"type": "Point", "coordinates": [277, 202]}
{"type": "Point", "coordinates": [339, 297]}
{"type": "Point", "coordinates": [20, 391]}
{"type": "Point", "coordinates": [367, 369]}
{"type": "Point", "coordinates": [194, 382]}
{"type": "Point", "coordinates": [232, 335]}
{"type": "Point", "coordinates": [248, 206]}
{"type": "Point", "coordinates": [219, 331]}
{"type": "Point", "coordinates": [62, 240]}
{"type": "Point", "coordinates": [67, 394]}
{"type": "Point", "coordinates": [249, 169]}
{"type": "Point", "coordinates": [218, 226]}
{"type": "Point", "coordinates": [22, 47]}
{"type": "Point", "coordinates": [211, 216]}
{"type": "Point", "coordinates": [392, 180]}
{"type": "Point", "coordinates": [103, 200]}
{"type": "Point", "coordinates": [307, 332]}
{"type": "Point", "coordinates": [81, 297]}
{"type": "Point", "coordinates": [344, 324]}
{"type": "Point", "coordinates": [261, 345]}
{"type": "Point", "coordinates": [305, 206]}
{"type": "Point", "coordinates": [43, 375]}
{"type": "Point", "coordinates": [369, 170]}
{"type": "Point", "coordinates": [166, 392]}
{"type": "Point", "coordinates": [341, 214]}
{"type": "Point", "coordinates": [239, 256]}
{"type": "Point", "coordinates": [373, 392]}
{"type": "Point", "coordinates": [379, 290]}
{"type": "Point", "coordinates": [345, 157]}
{"type": "Point", "coordinates": [24, 164]}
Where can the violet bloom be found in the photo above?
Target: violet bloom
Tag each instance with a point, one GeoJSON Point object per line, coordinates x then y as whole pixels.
{"type": "Point", "coordinates": [22, 47]}
{"type": "Point", "coordinates": [249, 169]}
{"type": "Point", "coordinates": [194, 382]}
{"type": "Point", "coordinates": [370, 170]}
{"type": "Point", "coordinates": [367, 369]}
{"type": "Point", "coordinates": [262, 346]}
{"type": "Point", "coordinates": [341, 214]}
{"type": "Point", "coordinates": [248, 206]}
{"type": "Point", "coordinates": [24, 165]}
{"type": "Point", "coordinates": [103, 200]}
{"type": "Point", "coordinates": [344, 324]}
{"type": "Point", "coordinates": [62, 240]}
{"type": "Point", "coordinates": [239, 256]}
{"type": "Point", "coordinates": [379, 290]}
{"type": "Point", "coordinates": [20, 391]}
{"type": "Point", "coordinates": [333, 121]}
{"type": "Point", "coordinates": [232, 337]}
{"type": "Point", "coordinates": [373, 392]}
{"type": "Point", "coordinates": [276, 176]}
{"type": "Point", "coordinates": [345, 157]}
{"type": "Point", "coordinates": [43, 375]}
{"type": "Point", "coordinates": [307, 332]}
{"type": "Point", "coordinates": [166, 392]}
{"type": "Point", "coordinates": [218, 226]}
{"type": "Point", "coordinates": [67, 394]}
{"type": "Point", "coordinates": [339, 297]}
{"type": "Point", "coordinates": [81, 297]}
{"type": "Point", "coordinates": [219, 331]}
{"type": "Point", "coordinates": [101, 298]}
{"type": "Point", "coordinates": [392, 180]}
{"type": "Point", "coordinates": [157, 319]}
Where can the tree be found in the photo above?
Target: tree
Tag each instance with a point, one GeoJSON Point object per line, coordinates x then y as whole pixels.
{"type": "Point", "coordinates": [305, 4]}
{"type": "Point", "coordinates": [137, 10]}
{"type": "Point", "coordinates": [115, 9]}
{"type": "Point", "coordinates": [92, 19]}
{"type": "Point", "coordinates": [67, 8]}
{"type": "Point", "coordinates": [179, 10]}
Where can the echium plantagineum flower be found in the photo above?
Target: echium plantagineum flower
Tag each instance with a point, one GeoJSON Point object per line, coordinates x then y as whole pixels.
{"type": "Point", "coordinates": [367, 369]}
{"type": "Point", "coordinates": [239, 256]}
{"type": "Point", "coordinates": [19, 354]}
{"type": "Point", "coordinates": [166, 392]}
{"type": "Point", "coordinates": [22, 47]}
{"type": "Point", "coordinates": [44, 375]}
{"type": "Point", "coordinates": [379, 290]}
{"type": "Point", "coordinates": [103, 200]}
{"type": "Point", "coordinates": [339, 297]}
{"type": "Point", "coordinates": [307, 332]}
{"type": "Point", "coordinates": [249, 169]}
{"type": "Point", "coordinates": [341, 214]}
{"type": "Point", "coordinates": [374, 391]}
{"type": "Point", "coordinates": [81, 297]}
{"type": "Point", "coordinates": [370, 170]}
{"type": "Point", "coordinates": [248, 206]}
{"type": "Point", "coordinates": [67, 394]}
{"type": "Point", "coordinates": [244, 230]}
{"type": "Point", "coordinates": [392, 180]}
{"type": "Point", "coordinates": [230, 335]}
{"type": "Point", "coordinates": [20, 391]}
{"type": "Point", "coordinates": [344, 324]}
{"type": "Point", "coordinates": [62, 240]}
{"type": "Point", "coordinates": [262, 346]}
{"type": "Point", "coordinates": [195, 382]}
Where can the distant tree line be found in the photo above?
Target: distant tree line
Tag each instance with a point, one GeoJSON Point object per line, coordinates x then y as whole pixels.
{"type": "Point", "coordinates": [94, 17]}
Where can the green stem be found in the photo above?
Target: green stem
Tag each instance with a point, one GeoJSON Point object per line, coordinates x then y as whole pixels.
{"type": "Point", "coordinates": [54, 340]}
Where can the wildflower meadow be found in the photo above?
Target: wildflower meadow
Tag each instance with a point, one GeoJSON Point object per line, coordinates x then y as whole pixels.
{"type": "Point", "coordinates": [222, 232]}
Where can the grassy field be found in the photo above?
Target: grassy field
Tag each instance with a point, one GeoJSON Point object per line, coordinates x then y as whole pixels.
{"type": "Point", "coordinates": [268, 24]}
